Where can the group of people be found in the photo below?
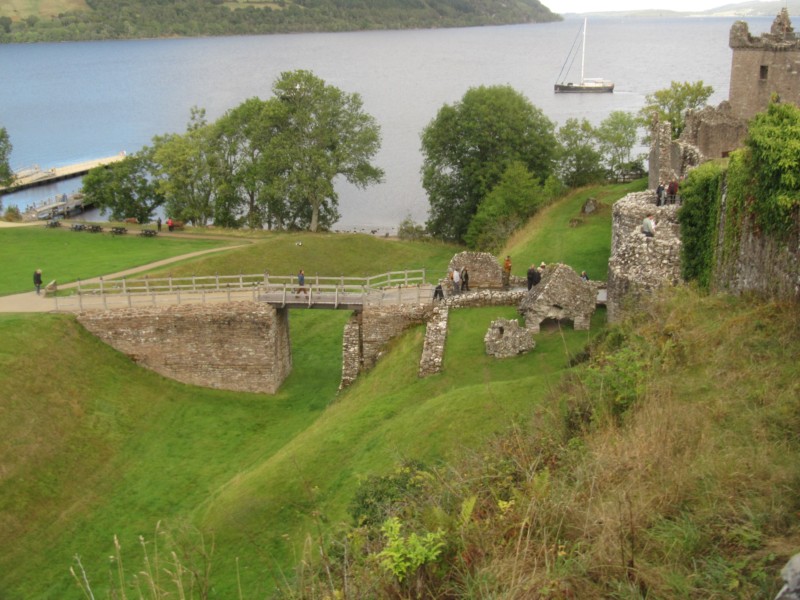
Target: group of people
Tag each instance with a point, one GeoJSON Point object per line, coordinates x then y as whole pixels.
{"type": "Point", "coordinates": [459, 282]}
{"type": "Point", "coordinates": [666, 194]}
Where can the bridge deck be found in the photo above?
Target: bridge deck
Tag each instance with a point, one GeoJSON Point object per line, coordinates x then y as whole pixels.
{"type": "Point", "coordinates": [404, 287]}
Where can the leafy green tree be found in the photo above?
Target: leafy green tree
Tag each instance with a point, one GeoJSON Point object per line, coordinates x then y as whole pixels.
{"type": "Point", "coordinates": [671, 104]}
{"type": "Point", "coordinates": [126, 189]}
{"type": "Point", "coordinates": [617, 136]}
{"type": "Point", "coordinates": [770, 185]}
{"type": "Point", "coordinates": [469, 145]}
{"type": "Point", "coordinates": [189, 173]}
{"type": "Point", "coordinates": [251, 170]}
{"type": "Point", "coordinates": [320, 133]}
{"type": "Point", "coordinates": [6, 174]}
{"type": "Point", "coordinates": [579, 161]}
{"type": "Point", "coordinates": [516, 197]}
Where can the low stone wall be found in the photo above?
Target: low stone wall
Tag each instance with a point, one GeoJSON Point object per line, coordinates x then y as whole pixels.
{"type": "Point", "coordinates": [639, 264]}
{"type": "Point", "coordinates": [240, 346]}
{"type": "Point", "coordinates": [506, 338]}
{"type": "Point", "coordinates": [478, 298]}
{"type": "Point", "coordinates": [432, 358]}
{"type": "Point", "coordinates": [351, 350]}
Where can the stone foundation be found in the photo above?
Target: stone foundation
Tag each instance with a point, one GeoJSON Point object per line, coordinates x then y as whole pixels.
{"type": "Point", "coordinates": [240, 346]}
{"type": "Point", "coordinates": [505, 338]}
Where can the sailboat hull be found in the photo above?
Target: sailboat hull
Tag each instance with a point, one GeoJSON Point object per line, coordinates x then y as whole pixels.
{"type": "Point", "coordinates": [584, 88]}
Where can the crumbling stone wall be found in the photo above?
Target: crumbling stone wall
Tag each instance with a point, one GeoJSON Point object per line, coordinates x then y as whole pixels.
{"type": "Point", "coordinates": [763, 66]}
{"type": "Point", "coordinates": [351, 350]}
{"type": "Point", "coordinates": [506, 338]}
{"type": "Point", "coordinates": [561, 294]}
{"type": "Point", "coordinates": [240, 346]}
{"type": "Point", "coordinates": [638, 264]}
{"type": "Point", "coordinates": [761, 264]}
{"type": "Point", "coordinates": [432, 360]}
{"type": "Point", "coordinates": [484, 270]}
{"type": "Point", "coordinates": [670, 160]}
{"type": "Point", "coordinates": [715, 132]}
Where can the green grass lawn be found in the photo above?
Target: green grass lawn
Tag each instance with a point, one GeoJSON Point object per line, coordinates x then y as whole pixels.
{"type": "Point", "coordinates": [560, 233]}
{"type": "Point", "coordinates": [93, 446]}
{"type": "Point", "coordinates": [67, 256]}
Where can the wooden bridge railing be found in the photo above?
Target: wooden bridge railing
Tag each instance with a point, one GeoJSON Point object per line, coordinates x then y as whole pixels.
{"type": "Point", "coordinates": [283, 290]}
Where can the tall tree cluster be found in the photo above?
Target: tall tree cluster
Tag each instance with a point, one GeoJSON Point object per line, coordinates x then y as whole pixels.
{"type": "Point", "coordinates": [266, 163]}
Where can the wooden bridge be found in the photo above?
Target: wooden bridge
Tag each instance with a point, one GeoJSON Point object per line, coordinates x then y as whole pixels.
{"type": "Point", "coordinates": [344, 293]}
{"type": "Point", "coordinates": [35, 176]}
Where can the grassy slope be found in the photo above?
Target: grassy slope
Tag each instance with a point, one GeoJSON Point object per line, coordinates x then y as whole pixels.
{"type": "Point", "coordinates": [45, 9]}
{"type": "Point", "coordinates": [93, 446]}
{"type": "Point", "coordinates": [66, 255]}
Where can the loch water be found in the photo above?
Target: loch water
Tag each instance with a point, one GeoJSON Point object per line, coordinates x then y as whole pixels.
{"type": "Point", "coordinates": [65, 103]}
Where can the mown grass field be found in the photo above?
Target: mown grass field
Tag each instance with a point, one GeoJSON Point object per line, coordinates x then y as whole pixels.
{"type": "Point", "coordinates": [67, 256]}
{"type": "Point", "coordinates": [93, 446]}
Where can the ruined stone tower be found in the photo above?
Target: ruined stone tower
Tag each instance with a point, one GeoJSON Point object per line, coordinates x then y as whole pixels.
{"type": "Point", "coordinates": [764, 66]}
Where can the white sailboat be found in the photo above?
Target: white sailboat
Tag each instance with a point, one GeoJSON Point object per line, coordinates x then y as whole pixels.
{"type": "Point", "coordinates": [586, 85]}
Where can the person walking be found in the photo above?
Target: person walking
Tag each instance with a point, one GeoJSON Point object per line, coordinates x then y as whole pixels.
{"type": "Point", "coordinates": [37, 280]}
{"type": "Point", "coordinates": [159, 223]}
{"type": "Point", "coordinates": [464, 280]}
{"type": "Point", "coordinates": [534, 276]}
{"type": "Point", "coordinates": [507, 272]}
{"type": "Point", "coordinates": [301, 284]}
{"type": "Point", "coordinates": [456, 281]}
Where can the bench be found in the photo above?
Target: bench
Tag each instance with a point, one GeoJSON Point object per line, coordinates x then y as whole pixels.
{"type": "Point", "coordinates": [94, 228]}
{"type": "Point", "coordinates": [118, 230]}
{"type": "Point", "coordinates": [53, 223]}
{"type": "Point", "coordinates": [148, 233]}
{"type": "Point", "coordinates": [78, 227]}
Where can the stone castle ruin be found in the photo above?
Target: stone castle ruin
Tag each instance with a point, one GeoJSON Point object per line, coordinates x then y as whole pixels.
{"type": "Point", "coordinates": [560, 295]}
{"type": "Point", "coordinates": [762, 68]}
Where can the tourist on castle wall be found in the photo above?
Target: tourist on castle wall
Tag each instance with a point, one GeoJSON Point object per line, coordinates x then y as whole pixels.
{"type": "Point", "coordinates": [672, 191]}
{"type": "Point", "coordinates": [456, 281]}
{"type": "Point", "coordinates": [660, 194]}
{"type": "Point", "coordinates": [438, 292]}
{"type": "Point", "coordinates": [534, 277]}
{"type": "Point", "coordinates": [649, 226]}
{"type": "Point", "coordinates": [37, 280]}
{"type": "Point", "coordinates": [464, 280]}
{"type": "Point", "coordinates": [507, 272]}
{"type": "Point", "coordinates": [584, 276]}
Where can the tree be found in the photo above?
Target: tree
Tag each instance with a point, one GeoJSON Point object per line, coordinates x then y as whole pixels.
{"type": "Point", "coordinates": [580, 162]}
{"type": "Point", "coordinates": [125, 188]}
{"type": "Point", "coordinates": [6, 174]}
{"type": "Point", "coordinates": [671, 104]}
{"type": "Point", "coordinates": [251, 170]}
{"type": "Point", "coordinates": [468, 146]}
{"type": "Point", "coordinates": [617, 137]}
{"type": "Point", "coordinates": [188, 169]}
{"type": "Point", "coordinates": [517, 196]}
{"type": "Point", "coordinates": [320, 133]}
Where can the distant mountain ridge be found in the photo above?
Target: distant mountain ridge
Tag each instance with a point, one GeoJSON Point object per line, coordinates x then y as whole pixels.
{"type": "Point", "coordinates": [737, 9]}
{"type": "Point", "coordinates": [126, 19]}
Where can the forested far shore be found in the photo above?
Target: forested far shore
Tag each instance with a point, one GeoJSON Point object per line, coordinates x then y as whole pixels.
{"type": "Point", "coordinates": [131, 19]}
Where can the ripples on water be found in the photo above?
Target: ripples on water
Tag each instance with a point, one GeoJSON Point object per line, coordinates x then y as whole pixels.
{"type": "Point", "coordinates": [72, 102]}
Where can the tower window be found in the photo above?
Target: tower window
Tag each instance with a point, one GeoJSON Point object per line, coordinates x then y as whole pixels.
{"type": "Point", "coordinates": [764, 72]}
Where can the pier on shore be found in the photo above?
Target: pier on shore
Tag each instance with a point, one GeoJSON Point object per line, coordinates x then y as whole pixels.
{"type": "Point", "coordinates": [34, 176]}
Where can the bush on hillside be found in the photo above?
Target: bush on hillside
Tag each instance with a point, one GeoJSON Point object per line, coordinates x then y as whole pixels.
{"type": "Point", "coordinates": [687, 489]}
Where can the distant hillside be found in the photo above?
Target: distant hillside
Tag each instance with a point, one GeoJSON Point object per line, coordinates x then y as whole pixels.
{"type": "Point", "coordinates": [67, 20]}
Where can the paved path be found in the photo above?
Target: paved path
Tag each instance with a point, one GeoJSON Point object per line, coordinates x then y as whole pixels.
{"type": "Point", "coordinates": [30, 302]}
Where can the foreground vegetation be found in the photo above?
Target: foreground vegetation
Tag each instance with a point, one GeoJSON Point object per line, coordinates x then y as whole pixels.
{"type": "Point", "coordinates": [71, 20]}
{"type": "Point", "coordinates": [659, 463]}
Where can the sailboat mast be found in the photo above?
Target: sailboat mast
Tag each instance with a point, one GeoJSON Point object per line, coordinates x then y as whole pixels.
{"type": "Point", "coordinates": [583, 49]}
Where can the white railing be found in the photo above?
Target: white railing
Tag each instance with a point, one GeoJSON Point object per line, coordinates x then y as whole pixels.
{"type": "Point", "coordinates": [334, 292]}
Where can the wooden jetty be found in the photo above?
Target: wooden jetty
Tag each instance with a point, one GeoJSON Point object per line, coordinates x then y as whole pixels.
{"type": "Point", "coordinates": [34, 176]}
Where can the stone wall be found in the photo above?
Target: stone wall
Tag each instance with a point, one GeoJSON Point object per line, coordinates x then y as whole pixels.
{"type": "Point", "coordinates": [432, 358]}
{"type": "Point", "coordinates": [639, 264]}
{"type": "Point", "coordinates": [561, 294]}
{"type": "Point", "coordinates": [763, 66]}
{"type": "Point", "coordinates": [505, 338]}
{"type": "Point", "coordinates": [484, 270]}
{"type": "Point", "coordinates": [762, 265]}
{"type": "Point", "coordinates": [240, 346]}
{"type": "Point", "coordinates": [715, 132]}
{"type": "Point", "coordinates": [351, 350]}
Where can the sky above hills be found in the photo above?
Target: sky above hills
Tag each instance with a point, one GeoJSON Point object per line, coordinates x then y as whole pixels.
{"type": "Point", "coordinates": [565, 6]}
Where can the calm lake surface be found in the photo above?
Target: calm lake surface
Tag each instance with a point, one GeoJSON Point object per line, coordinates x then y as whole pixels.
{"type": "Point", "coordinates": [71, 102]}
